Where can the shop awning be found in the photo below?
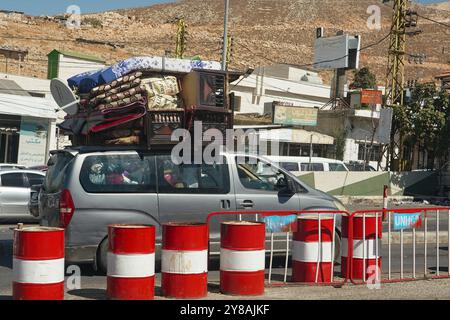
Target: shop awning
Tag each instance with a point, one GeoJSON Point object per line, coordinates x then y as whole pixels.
{"type": "Point", "coordinates": [27, 106]}
{"type": "Point", "coordinates": [293, 136]}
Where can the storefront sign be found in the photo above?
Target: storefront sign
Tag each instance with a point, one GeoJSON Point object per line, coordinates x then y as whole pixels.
{"type": "Point", "coordinates": [371, 97]}
{"type": "Point", "coordinates": [294, 116]}
{"type": "Point", "coordinates": [33, 142]}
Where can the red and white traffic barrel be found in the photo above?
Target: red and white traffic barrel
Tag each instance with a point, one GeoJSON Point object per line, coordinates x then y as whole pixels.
{"type": "Point", "coordinates": [367, 233]}
{"type": "Point", "coordinates": [184, 259]}
{"type": "Point", "coordinates": [242, 258]}
{"type": "Point", "coordinates": [131, 262]}
{"type": "Point", "coordinates": [38, 264]}
{"type": "Point", "coordinates": [312, 250]}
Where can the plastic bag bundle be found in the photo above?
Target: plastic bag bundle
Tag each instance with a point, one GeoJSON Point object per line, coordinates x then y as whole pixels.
{"type": "Point", "coordinates": [167, 85]}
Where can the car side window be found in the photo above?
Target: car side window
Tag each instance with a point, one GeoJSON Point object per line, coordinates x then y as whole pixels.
{"type": "Point", "coordinates": [290, 166]}
{"type": "Point", "coordinates": [312, 167]}
{"type": "Point", "coordinates": [336, 167]}
{"type": "Point", "coordinates": [192, 178]}
{"type": "Point", "coordinates": [34, 179]}
{"type": "Point", "coordinates": [258, 175]}
{"type": "Point", "coordinates": [13, 180]}
{"type": "Point", "coordinates": [118, 174]}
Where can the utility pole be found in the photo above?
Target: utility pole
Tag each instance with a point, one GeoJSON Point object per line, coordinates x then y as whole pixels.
{"type": "Point", "coordinates": [181, 39]}
{"type": "Point", "coordinates": [225, 36]}
{"type": "Point", "coordinates": [229, 50]}
{"type": "Point", "coordinates": [402, 19]}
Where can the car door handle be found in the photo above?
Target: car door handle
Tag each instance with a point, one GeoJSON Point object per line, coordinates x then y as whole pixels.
{"type": "Point", "coordinates": [246, 204]}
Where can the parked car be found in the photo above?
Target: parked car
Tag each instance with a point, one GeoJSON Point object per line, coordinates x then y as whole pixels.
{"type": "Point", "coordinates": [11, 166]}
{"type": "Point", "coordinates": [42, 168]}
{"type": "Point", "coordinates": [33, 204]}
{"type": "Point", "coordinates": [301, 164]}
{"type": "Point", "coordinates": [359, 166]}
{"type": "Point", "coordinates": [86, 190]}
{"type": "Point", "coordinates": [15, 188]}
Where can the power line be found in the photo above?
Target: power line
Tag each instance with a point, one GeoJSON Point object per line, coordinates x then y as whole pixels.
{"type": "Point", "coordinates": [325, 61]}
{"type": "Point", "coordinates": [435, 21]}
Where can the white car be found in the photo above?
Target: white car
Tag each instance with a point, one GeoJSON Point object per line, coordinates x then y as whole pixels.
{"type": "Point", "coordinates": [302, 164]}
{"type": "Point", "coordinates": [15, 187]}
{"type": "Point", "coordinates": [11, 166]}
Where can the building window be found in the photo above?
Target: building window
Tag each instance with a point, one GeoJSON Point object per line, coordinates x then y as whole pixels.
{"type": "Point", "coordinates": [373, 154]}
{"type": "Point", "coordinates": [303, 150]}
{"type": "Point", "coordinates": [237, 100]}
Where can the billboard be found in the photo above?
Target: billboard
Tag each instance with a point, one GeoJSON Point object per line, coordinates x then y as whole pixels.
{"type": "Point", "coordinates": [294, 116]}
{"type": "Point", "coordinates": [33, 142]}
{"type": "Point", "coordinates": [338, 52]}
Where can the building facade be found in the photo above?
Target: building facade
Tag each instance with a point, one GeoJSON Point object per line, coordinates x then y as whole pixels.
{"type": "Point", "coordinates": [357, 130]}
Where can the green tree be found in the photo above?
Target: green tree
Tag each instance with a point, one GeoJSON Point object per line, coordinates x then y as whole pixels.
{"type": "Point", "coordinates": [364, 79]}
{"type": "Point", "coordinates": [425, 120]}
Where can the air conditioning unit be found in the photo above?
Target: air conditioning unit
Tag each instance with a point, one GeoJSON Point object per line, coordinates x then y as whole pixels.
{"type": "Point", "coordinates": [205, 90]}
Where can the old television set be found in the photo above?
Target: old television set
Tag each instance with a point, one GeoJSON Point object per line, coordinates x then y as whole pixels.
{"type": "Point", "coordinates": [205, 90]}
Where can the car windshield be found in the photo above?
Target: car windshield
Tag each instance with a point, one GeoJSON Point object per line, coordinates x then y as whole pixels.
{"type": "Point", "coordinates": [337, 167]}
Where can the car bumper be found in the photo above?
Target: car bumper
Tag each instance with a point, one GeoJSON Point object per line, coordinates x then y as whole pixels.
{"type": "Point", "coordinates": [81, 254]}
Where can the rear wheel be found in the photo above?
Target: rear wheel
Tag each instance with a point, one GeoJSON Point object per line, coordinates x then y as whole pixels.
{"type": "Point", "coordinates": [102, 256]}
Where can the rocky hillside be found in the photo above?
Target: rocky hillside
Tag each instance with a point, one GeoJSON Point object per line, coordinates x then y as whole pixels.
{"type": "Point", "coordinates": [265, 32]}
{"type": "Point", "coordinates": [441, 6]}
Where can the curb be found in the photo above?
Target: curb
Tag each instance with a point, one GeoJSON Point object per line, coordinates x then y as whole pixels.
{"type": "Point", "coordinates": [372, 200]}
{"type": "Point", "coordinates": [420, 237]}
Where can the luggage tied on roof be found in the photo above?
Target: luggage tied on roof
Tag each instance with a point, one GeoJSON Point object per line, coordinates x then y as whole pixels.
{"type": "Point", "coordinates": [143, 99]}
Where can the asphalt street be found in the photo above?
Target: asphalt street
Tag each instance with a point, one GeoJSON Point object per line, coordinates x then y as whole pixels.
{"type": "Point", "coordinates": [93, 285]}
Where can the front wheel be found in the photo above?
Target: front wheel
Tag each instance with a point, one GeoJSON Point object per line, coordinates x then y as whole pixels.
{"type": "Point", "coordinates": [102, 256]}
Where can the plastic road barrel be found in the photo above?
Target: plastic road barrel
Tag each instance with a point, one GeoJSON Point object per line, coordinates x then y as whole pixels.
{"type": "Point", "coordinates": [366, 250]}
{"type": "Point", "coordinates": [38, 264]}
{"type": "Point", "coordinates": [242, 258]}
{"type": "Point", "coordinates": [312, 250]}
{"type": "Point", "coordinates": [184, 260]}
{"type": "Point", "coordinates": [131, 262]}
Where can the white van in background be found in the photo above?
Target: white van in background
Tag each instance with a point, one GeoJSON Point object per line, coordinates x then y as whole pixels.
{"type": "Point", "coordinates": [302, 164]}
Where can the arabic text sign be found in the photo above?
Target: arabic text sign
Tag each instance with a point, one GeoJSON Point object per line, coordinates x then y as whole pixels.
{"type": "Point", "coordinates": [295, 116]}
{"type": "Point", "coordinates": [404, 221]}
{"type": "Point", "coordinates": [33, 141]}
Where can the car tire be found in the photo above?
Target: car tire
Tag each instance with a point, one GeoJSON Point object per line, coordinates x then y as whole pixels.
{"type": "Point", "coordinates": [102, 257]}
{"type": "Point", "coordinates": [337, 248]}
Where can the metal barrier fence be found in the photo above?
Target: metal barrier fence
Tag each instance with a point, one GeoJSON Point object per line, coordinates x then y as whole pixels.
{"type": "Point", "coordinates": [375, 248]}
{"type": "Point", "coordinates": [318, 251]}
{"type": "Point", "coordinates": [417, 243]}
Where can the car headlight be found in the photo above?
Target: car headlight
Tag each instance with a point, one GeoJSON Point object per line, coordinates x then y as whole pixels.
{"type": "Point", "coordinates": [339, 205]}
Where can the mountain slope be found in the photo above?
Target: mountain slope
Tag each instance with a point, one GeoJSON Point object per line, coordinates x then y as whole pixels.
{"type": "Point", "coordinates": [264, 32]}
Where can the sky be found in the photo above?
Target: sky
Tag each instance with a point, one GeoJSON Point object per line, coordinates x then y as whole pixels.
{"type": "Point", "coordinates": [52, 7]}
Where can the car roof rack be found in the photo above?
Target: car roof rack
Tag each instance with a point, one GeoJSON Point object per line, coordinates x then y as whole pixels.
{"type": "Point", "coordinates": [91, 149]}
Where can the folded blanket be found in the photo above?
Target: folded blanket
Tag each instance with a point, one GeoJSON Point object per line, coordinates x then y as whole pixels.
{"type": "Point", "coordinates": [74, 124]}
{"type": "Point", "coordinates": [128, 80]}
{"type": "Point", "coordinates": [101, 120]}
{"type": "Point", "coordinates": [125, 87]}
{"type": "Point", "coordinates": [121, 102]}
{"type": "Point", "coordinates": [113, 97]}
